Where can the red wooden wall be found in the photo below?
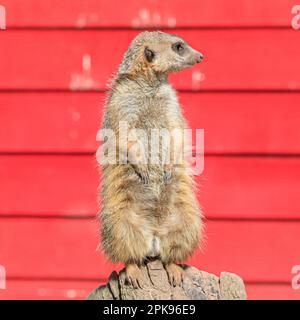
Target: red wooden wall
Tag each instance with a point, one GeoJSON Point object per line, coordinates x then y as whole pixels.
{"type": "Point", "coordinates": [245, 95]}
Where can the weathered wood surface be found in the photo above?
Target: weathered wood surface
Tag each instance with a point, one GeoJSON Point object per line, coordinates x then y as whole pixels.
{"type": "Point", "coordinates": [197, 285]}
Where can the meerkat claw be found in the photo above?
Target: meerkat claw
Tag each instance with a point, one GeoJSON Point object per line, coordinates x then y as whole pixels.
{"type": "Point", "coordinates": [144, 176]}
{"type": "Point", "coordinates": [134, 276]}
{"type": "Point", "coordinates": [175, 274]}
{"type": "Point", "coordinates": [144, 179]}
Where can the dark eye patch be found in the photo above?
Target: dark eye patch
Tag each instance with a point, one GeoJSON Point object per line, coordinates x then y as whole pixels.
{"type": "Point", "coordinates": [178, 47]}
{"type": "Point", "coordinates": [149, 54]}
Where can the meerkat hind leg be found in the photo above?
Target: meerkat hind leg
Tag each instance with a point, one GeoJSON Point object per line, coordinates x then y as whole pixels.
{"type": "Point", "coordinates": [175, 274]}
{"type": "Point", "coordinates": [134, 275]}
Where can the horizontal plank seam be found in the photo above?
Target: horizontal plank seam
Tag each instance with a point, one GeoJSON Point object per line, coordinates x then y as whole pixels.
{"type": "Point", "coordinates": [92, 153]}
{"type": "Point", "coordinates": [190, 91]}
{"type": "Point", "coordinates": [45, 216]}
{"type": "Point", "coordinates": [93, 217]}
{"type": "Point", "coordinates": [268, 282]}
{"type": "Point", "coordinates": [46, 278]}
{"type": "Point", "coordinates": [102, 279]}
{"type": "Point", "coordinates": [151, 28]}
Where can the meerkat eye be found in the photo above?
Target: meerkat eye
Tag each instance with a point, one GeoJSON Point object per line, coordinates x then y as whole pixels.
{"type": "Point", "coordinates": [178, 47]}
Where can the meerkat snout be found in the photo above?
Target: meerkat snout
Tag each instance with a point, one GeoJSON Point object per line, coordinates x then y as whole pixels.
{"type": "Point", "coordinates": [199, 57]}
{"type": "Point", "coordinates": [195, 56]}
{"type": "Point", "coordinates": [189, 56]}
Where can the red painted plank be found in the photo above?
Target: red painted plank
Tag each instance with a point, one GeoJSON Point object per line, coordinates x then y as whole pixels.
{"type": "Point", "coordinates": [52, 248]}
{"type": "Point", "coordinates": [66, 248]}
{"type": "Point", "coordinates": [235, 59]}
{"type": "Point", "coordinates": [257, 251]}
{"type": "Point", "coordinates": [248, 187]}
{"type": "Point", "coordinates": [47, 289]}
{"type": "Point", "coordinates": [50, 122]}
{"type": "Point", "coordinates": [233, 122]}
{"type": "Point", "coordinates": [48, 185]}
{"type": "Point", "coordinates": [245, 123]}
{"type": "Point", "coordinates": [148, 13]}
{"type": "Point", "coordinates": [272, 292]}
{"type": "Point", "coordinates": [65, 290]}
{"type": "Point", "coordinates": [231, 187]}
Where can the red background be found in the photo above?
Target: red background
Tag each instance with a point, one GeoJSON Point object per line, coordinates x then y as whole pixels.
{"type": "Point", "coordinates": [245, 95]}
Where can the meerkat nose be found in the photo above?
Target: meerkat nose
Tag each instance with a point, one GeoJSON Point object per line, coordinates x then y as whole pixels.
{"type": "Point", "coordinates": [199, 57]}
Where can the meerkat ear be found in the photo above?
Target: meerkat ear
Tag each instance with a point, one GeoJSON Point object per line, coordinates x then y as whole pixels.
{"type": "Point", "coordinates": [149, 54]}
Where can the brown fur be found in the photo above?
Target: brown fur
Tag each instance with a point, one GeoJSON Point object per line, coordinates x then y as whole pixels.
{"type": "Point", "coordinates": [148, 209]}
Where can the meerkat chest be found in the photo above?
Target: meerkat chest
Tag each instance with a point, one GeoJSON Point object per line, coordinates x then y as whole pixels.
{"type": "Point", "coordinates": [160, 110]}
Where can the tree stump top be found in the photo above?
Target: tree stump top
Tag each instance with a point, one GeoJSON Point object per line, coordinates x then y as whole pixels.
{"type": "Point", "coordinates": [197, 285]}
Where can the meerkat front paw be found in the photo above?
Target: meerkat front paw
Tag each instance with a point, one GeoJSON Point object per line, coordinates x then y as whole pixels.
{"type": "Point", "coordinates": [175, 274]}
{"type": "Point", "coordinates": [133, 275]}
{"type": "Point", "coordinates": [143, 172]}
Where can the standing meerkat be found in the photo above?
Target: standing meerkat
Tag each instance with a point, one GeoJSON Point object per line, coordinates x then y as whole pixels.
{"type": "Point", "coordinates": [148, 210]}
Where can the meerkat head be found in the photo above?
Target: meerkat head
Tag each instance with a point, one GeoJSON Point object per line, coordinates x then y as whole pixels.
{"type": "Point", "coordinates": [158, 52]}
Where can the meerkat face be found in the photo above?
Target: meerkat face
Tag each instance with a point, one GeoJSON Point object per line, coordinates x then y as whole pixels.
{"type": "Point", "coordinates": [168, 53]}
{"type": "Point", "coordinates": [160, 52]}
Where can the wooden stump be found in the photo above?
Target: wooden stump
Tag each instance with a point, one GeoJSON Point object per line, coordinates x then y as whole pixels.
{"type": "Point", "coordinates": [198, 285]}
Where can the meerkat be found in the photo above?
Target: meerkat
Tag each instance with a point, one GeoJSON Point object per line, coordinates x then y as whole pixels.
{"type": "Point", "coordinates": [148, 210]}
